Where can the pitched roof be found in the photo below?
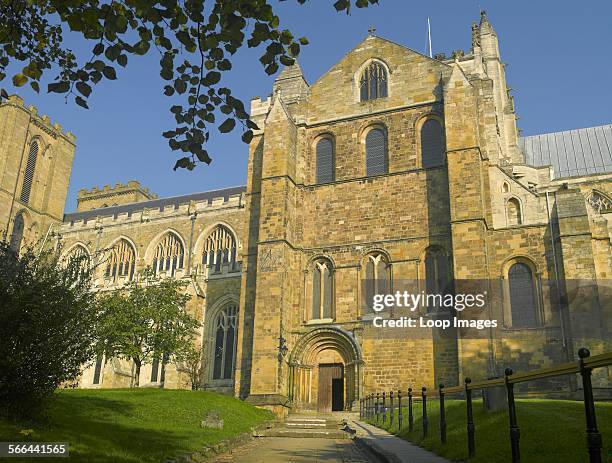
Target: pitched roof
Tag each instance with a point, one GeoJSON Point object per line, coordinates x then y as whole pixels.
{"type": "Point", "coordinates": [160, 204]}
{"type": "Point", "coordinates": [572, 153]}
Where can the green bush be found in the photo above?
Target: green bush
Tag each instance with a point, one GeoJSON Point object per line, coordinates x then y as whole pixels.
{"type": "Point", "coordinates": [47, 326]}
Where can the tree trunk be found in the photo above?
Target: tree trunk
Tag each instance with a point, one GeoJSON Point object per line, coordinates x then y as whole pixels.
{"type": "Point", "coordinates": [138, 364]}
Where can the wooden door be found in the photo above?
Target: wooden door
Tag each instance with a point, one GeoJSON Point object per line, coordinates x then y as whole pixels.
{"type": "Point", "coordinates": [327, 374]}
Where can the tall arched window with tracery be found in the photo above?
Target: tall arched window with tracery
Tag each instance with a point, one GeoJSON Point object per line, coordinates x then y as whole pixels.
{"type": "Point", "coordinates": [120, 262]}
{"type": "Point", "coordinates": [377, 277]}
{"type": "Point", "coordinates": [322, 289]}
{"type": "Point", "coordinates": [169, 255]}
{"type": "Point", "coordinates": [17, 234]}
{"type": "Point", "coordinates": [225, 342]}
{"type": "Point", "coordinates": [28, 178]}
{"type": "Point", "coordinates": [437, 276]}
{"type": "Point", "coordinates": [373, 82]}
{"type": "Point", "coordinates": [79, 255]}
{"type": "Point", "coordinates": [432, 144]}
{"type": "Point", "coordinates": [513, 212]}
{"type": "Point", "coordinates": [523, 301]}
{"type": "Point", "coordinates": [599, 202]}
{"type": "Point", "coordinates": [219, 249]}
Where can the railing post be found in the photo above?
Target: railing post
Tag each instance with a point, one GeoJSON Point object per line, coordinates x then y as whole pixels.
{"type": "Point", "coordinates": [360, 409]}
{"type": "Point", "coordinates": [399, 410]}
{"type": "Point", "coordinates": [377, 407]}
{"type": "Point", "coordinates": [515, 433]}
{"type": "Point", "coordinates": [384, 408]}
{"type": "Point", "coordinates": [425, 420]}
{"type": "Point", "coordinates": [369, 406]}
{"type": "Point", "coordinates": [594, 441]}
{"type": "Point", "coordinates": [391, 408]}
{"type": "Point", "coordinates": [442, 415]}
{"type": "Point", "coordinates": [410, 415]}
{"type": "Point", "coordinates": [470, 419]}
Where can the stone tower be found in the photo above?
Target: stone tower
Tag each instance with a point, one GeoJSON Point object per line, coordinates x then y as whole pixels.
{"type": "Point", "coordinates": [35, 164]}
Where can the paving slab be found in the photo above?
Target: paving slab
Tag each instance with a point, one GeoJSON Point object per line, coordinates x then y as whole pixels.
{"type": "Point", "coordinates": [391, 449]}
{"type": "Point", "coordinates": [292, 450]}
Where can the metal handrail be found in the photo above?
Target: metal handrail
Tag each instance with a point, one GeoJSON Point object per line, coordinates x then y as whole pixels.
{"type": "Point", "coordinates": [372, 407]}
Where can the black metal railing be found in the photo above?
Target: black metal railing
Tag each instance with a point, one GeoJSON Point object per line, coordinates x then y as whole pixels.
{"type": "Point", "coordinates": [374, 407]}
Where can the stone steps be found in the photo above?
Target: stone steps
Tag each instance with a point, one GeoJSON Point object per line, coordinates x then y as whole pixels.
{"type": "Point", "coordinates": [307, 426]}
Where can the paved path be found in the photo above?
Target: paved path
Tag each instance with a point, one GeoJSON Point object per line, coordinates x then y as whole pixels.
{"type": "Point", "coordinates": [395, 449]}
{"type": "Point", "coordinates": [292, 450]}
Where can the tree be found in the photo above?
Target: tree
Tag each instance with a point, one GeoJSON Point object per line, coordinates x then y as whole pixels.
{"type": "Point", "coordinates": [194, 364]}
{"type": "Point", "coordinates": [146, 319]}
{"type": "Point", "coordinates": [47, 326]}
{"type": "Point", "coordinates": [195, 40]}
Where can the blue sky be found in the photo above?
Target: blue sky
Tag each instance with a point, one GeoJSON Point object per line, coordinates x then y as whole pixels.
{"type": "Point", "coordinates": [558, 65]}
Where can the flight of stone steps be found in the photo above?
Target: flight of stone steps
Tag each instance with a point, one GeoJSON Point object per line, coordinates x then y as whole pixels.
{"type": "Point", "coordinates": [305, 426]}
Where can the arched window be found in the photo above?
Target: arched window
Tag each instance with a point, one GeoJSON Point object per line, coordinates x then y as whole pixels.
{"type": "Point", "coordinates": [97, 378]}
{"type": "Point", "coordinates": [432, 144]}
{"type": "Point", "coordinates": [169, 255]}
{"type": "Point", "coordinates": [377, 277]}
{"type": "Point", "coordinates": [120, 262]}
{"type": "Point", "coordinates": [523, 304]}
{"type": "Point", "coordinates": [28, 178]}
{"type": "Point", "coordinates": [158, 368]}
{"type": "Point", "coordinates": [219, 248]}
{"type": "Point", "coordinates": [79, 255]}
{"type": "Point", "coordinates": [225, 342]}
{"type": "Point", "coordinates": [322, 289]}
{"type": "Point", "coordinates": [373, 82]}
{"type": "Point", "coordinates": [376, 152]}
{"type": "Point", "coordinates": [513, 212]}
{"type": "Point", "coordinates": [599, 202]}
{"type": "Point", "coordinates": [17, 234]}
{"type": "Point", "coordinates": [437, 277]}
{"type": "Point", "coordinates": [326, 163]}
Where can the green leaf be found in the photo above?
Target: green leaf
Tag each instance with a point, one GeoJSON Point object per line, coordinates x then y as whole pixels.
{"type": "Point", "coordinates": [59, 87]}
{"type": "Point", "coordinates": [271, 69]}
{"type": "Point", "coordinates": [122, 60]}
{"type": "Point", "coordinates": [304, 41]}
{"type": "Point", "coordinates": [112, 53]}
{"type": "Point", "coordinates": [227, 125]}
{"type": "Point", "coordinates": [109, 72]}
{"type": "Point", "coordinates": [224, 65]}
{"type": "Point", "coordinates": [98, 49]}
{"type": "Point", "coordinates": [247, 136]}
{"type": "Point", "coordinates": [212, 78]}
{"type": "Point", "coordinates": [19, 80]}
{"type": "Point", "coordinates": [81, 102]}
{"type": "Point", "coordinates": [168, 90]}
{"type": "Point", "coordinates": [84, 88]}
{"type": "Point", "coordinates": [35, 86]}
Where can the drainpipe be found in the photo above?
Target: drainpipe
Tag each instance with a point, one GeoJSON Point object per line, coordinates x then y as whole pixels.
{"type": "Point", "coordinates": [557, 279]}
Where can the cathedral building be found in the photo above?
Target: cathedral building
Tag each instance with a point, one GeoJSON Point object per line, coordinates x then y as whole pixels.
{"type": "Point", "coordinates": [394, 169]}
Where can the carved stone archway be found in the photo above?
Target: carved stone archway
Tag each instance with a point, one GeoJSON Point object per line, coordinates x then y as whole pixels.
{"type": "Point", "coordinates": [324, 345]}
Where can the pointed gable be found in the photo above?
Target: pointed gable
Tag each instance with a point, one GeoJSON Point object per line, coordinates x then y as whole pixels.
{"type": "Point", "coordinates": [413, 78]}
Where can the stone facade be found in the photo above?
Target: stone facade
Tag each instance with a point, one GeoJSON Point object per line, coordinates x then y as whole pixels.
{"type": "Point", "coordinates": [303, 250]}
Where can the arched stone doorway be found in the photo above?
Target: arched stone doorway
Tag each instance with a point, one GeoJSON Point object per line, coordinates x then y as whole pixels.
{"type": "Point", "coordinates": [326, 370]}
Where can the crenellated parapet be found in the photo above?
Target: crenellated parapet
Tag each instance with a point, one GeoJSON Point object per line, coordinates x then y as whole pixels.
{"type": "Point", "coordinates": [42, 121]}
{"type": "Point", "coordinates": [154, 209]}
{"type": "Point", "coordinates": [120, 193]}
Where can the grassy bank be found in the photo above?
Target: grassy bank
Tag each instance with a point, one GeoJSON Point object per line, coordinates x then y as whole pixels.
{"type": "Point", "coordinates": [552, 431]}
{"type": "Point", "coordinates": [134, 425]}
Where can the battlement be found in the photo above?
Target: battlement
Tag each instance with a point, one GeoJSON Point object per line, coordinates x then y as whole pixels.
{"type": "Point", "coordinates": [121, 193]}
{"type": "Point", "coordinates": [152, 209]}
{"type": "Point", "coordinates": [43, 121]}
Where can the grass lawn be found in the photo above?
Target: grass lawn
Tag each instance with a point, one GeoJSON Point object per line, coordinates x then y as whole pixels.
{"type": "Point", "coordinates": [551, 431]}
{"type": "Point", "coordinates": [134, 425]}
